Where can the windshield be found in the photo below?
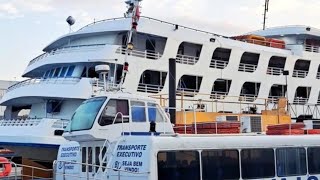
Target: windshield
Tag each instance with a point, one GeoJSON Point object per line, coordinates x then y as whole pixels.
{"type": "Point", "coordinates": [86, 113]}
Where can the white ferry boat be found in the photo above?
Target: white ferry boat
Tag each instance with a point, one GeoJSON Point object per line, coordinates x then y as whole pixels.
{"type": "Point", "coordinates": [152, 156]}
{"type": "Point", "coordinates": [221, 77]}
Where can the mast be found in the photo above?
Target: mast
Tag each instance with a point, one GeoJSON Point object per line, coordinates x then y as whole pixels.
{"type": "Point", "coordinates": [266, 9]}
{"type": "Point", "coordinates": [133, 12]}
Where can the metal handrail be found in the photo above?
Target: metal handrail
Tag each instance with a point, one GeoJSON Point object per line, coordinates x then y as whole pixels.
{"type": "Point", "coordinates": [139, 53]}
{"type": "Point", "coordinates": [88, 165]}
{"type": "Point", "coordinates": [300, 73]}
{"type": "Point", "coordinates": [219, 64]}
{"type": "Point", "coordinates": [58, 80]}
{"type": "Point", "coordinates": [300, 100]}
{"type": "Point", "coordinates": [20, 122]}
{"type": "Point", "coordinates": [33, 168]}
{"type": "Point", "coordinates": [150, 88]}
{"type": "Point", "coordinates": [275, 71]}
{"type": "Point", "coordinates": [149, 18]}
{"type": "Point", "coordinates": [186, 59]}
{"type": "Point", "coordinates": [68, 49]}
{"type": "Point", "coordinates": [218, 95]}
{"type": "Point", "coordinates": [247, 67]}
{"type": "Point", "coordinates": [312, 48]}
{"type": "Point", "coordinates": [248, 97]}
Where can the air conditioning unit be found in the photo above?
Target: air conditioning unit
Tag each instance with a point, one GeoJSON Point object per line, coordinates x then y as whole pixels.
{"type": "Point", "coordinates": [250, 124]}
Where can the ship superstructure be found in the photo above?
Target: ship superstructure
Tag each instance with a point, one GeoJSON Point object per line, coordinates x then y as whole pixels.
{"type": "Point", "coordinates": [225, 74]}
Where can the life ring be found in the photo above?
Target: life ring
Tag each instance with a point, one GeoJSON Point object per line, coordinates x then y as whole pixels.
{"type": "Point", "coordinates": [6, 167]}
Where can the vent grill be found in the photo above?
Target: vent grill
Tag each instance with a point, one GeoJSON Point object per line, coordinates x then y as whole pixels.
{"type": "Point", "coordinates": [255, 122]}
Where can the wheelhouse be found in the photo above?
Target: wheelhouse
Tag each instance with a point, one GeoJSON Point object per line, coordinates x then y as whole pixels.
{"type": "Point", "coordinates": [116, 112]}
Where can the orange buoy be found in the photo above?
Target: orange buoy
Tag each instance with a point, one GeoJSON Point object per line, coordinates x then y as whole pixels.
{"type": "Point", "coordinates": [6, 167]}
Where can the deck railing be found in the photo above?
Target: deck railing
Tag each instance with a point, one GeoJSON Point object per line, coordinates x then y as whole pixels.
{"type": "Point", "coordinates": [273, 99]}
{"type": "Point", "coordinates": [185, 59]}
{"type": "Point", "coordinates": [20, 122]}
{"type": "Point", "coordinates": [140, 53]}
{"type": "Point", "coordinates": [218, 95]}
{"type": "Point", "coordinates": [20, 171]}
{"type": "Point", "coordinates": [299, 73]}
{"type": "Point", "coordinates": [247, 67]}
{"type": "Point", "coordinates": [275, 71]}
{"type": "Point", "coordinates": [247, 97]}
{"type": "Point", "coordinates": [218, 64]}
{"type": "Point", "coordinates": [311, 48]}
{"type": "Point", "coordinates": [300, 100]}
{"type": "Point", "coordinates": [149, 88]}
{"type": "Point", "coordinates": [80, 48]}
{"type": "Point", "coordinates": [67, 80]}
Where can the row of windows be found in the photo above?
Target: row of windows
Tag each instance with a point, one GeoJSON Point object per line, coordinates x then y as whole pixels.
{"type": "Point", "coordinates": [139, 112]}
{"type": "Point", "coordinates": [232, 164]}
{"type": "Point", "coordinates": [90, 155]}
{"type": "Point", "coordinates": [59, 72]}
{"type": "Point", "coordinates": [115, 111]}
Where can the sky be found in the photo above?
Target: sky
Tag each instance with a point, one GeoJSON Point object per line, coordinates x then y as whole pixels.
{"type": "Point", "coordinates": [27, 26]}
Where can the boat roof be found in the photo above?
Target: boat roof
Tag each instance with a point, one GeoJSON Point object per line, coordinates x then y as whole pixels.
{"type": "Point", "coordinates": [173, 142]}
{"type": "Point", "coordinates": [288, 30]}
{"type": "Point", "coordinates": [125, 95]}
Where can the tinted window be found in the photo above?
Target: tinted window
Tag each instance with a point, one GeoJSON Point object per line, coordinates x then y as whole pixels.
{"type": "Point", "coordinates": [138, 111]}
{"type": "Point", "coordinates": [50, 73]}
{"type": "Point", "coordinates": [84, 158]}
{"type": "Point", "coordinates": [70, 71]}
{"type": "Point", "coordinates": [90, 159]}
{"type": "Point", "coordinates": [97, 159]}
{"type": "Point", "coordinates": [180, 165]}
{"type": "Point", "coordinates": [154, 113]}
{"type": "Point", "coordinates": [86, 113]}
{"type": "Point", "coordinates": [112, 109]}
{"type": "Point", "coordinates": [56, 72]}
{"type": "Point", "coordinates": [45, 74]}
{"type": "Point", "coordinates": [220, 164]}
{"type": "Point", "coordinates": [291, 162]}
{"type": "Point", "coordinates": [257, 163]}
{"type": "Point", "coordinates": [63, 72]}
{"type": "Point", "coordinates": [314, 160]}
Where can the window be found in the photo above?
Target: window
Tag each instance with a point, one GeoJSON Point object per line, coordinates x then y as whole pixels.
{"type": "Point", "coordinates": [54, 106]}
{"type": "Point", "coordinates": [313, 160]}
{"type": "Point", "coordinates": [154, 113]}
{"type": "Point", "coordinates": [63, 71]}
{"type": "Point", "coordinates": [257, 163]}
{"type": "Point", "coordinates": [86, 113]}
{"type": "Point", "coordinates": [112, 109]}
{"type": "Point", "coordinates": [97, 159]}
{"type": "Point", "coordinates": [138, 111]}
{"type": "Point", "coordinates": [90, 159]}
{"type": "Point", "coordinates": [291, 162]}
{"type": "Point", "coordinates": [45, 74]}
{"type": "Point", "coordinates": [70, 71]}
{"type": "Point", "coordinates": [50, 73]}
{"type": "Point", "coordinates": [180, 165]}
{"type": "Point", "coordinates": [220, 164]}
{"type": "Point", "coordinates": [56, 72]}
{"type": "Point", "coordinates": [84, 158]}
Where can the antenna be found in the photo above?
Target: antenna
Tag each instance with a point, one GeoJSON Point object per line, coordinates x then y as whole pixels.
{"type": "Point", "coordinates": [266, 9]}
{"type": "Point", "coordinates": [133, 12]}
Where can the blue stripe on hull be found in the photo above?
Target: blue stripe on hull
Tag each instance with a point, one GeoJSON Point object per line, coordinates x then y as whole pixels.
{"type": "Point", "coordinates": [54, 146]}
